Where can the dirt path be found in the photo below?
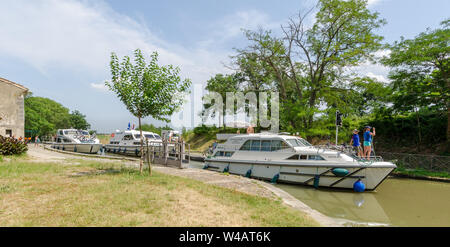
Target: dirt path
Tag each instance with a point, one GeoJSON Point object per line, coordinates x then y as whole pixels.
{"type": "Point", "coordinates": [238, 183]}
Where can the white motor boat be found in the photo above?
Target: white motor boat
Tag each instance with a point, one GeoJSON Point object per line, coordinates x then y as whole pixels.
{"type": "Point", "coordinates": [74, 140]}
{"type": "Point", "coordinates": [128, 142]}
{"type": "Point", "coordinates": [291, 159]}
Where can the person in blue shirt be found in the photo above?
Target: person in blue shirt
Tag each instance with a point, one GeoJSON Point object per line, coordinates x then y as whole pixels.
{"type": "Point", "coordinates": [354, 142]}
{"type": "Point", "coordinates": [368, 141]}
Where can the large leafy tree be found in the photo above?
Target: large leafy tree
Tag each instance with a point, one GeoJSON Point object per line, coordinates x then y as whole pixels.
{"type": "Point", "coordinates": [221, 84]}
{"type": "Point", "coordinates": [420, 75]}
{"type": "Point", "coordinates": [78, 120]}
{"type": "Point", "coordinates": [309, 64]}
{"type": "Point", "coordinates": [147, 89]}
{"type": "Point", "coordinates": [43, 116]}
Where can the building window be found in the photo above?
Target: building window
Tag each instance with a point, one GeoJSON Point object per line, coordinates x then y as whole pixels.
{"type": "Point", "coordinates": [9, 133]}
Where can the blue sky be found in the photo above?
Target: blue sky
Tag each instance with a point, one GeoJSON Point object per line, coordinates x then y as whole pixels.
{"type": "Point", "coordinates": [60, 49]}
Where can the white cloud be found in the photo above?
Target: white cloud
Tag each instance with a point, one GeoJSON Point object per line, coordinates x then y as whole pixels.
{"type": "Point", "coordinates": [99, 86]}
{"type": "Point", "coordinates": [49, 34]}
{"type": "Point", "coordinates": [378, 77]}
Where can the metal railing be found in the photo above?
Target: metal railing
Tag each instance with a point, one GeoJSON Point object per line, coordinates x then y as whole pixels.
{"type": "Point", "coordinates": [168, 153]}
{"type": "Point", "coordinates": [435, 163]}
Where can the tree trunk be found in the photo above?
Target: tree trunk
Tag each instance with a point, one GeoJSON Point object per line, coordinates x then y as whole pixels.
{"type": "Point", "coordinates": [141, 162]}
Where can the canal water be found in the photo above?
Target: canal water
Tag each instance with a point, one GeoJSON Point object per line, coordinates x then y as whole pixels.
{"type": "Point", "coordinates": [396, 202]}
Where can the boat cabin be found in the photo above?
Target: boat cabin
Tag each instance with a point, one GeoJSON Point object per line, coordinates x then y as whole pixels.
{"type": "Point", "coordinates": [133, 137]}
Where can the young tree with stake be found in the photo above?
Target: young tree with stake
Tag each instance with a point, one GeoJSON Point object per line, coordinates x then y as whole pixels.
{"type": "Point", "coordinates": [147, 89]}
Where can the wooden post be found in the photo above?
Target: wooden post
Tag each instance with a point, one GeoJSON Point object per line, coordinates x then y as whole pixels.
{"type": "Point", "coordinates": [148, 159]}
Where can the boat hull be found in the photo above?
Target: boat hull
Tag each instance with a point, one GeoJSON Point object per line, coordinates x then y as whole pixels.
{"type": "Point", "coordinates": [88, 148]}
{"type": "Point", "coordinates": [131, 150]}
{"type": "Point", "coordinates": [318, 175]}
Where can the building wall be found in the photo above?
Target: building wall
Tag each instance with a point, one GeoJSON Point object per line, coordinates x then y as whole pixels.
{"type": "Point", "coordinates": [12, 110]}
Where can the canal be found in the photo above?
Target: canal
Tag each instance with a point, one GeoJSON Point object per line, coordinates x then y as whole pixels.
{"type": "Point", "coordinates": [396, 202]}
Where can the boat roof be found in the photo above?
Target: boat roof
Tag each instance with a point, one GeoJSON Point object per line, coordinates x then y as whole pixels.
{"type": "Point", "coordinates": [135, 132]}
{"type": "Point", "coordinates": [263, 136]}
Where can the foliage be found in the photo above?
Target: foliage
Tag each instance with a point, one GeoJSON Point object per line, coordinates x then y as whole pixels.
{"type": "Point", "coordinates": [147, 89]}
{"type": "Point", "coordinates": [153, 128]}
{"type": "Point", "coordinates": [10, 146]}
{"type": "Point", "coordinates": [420, 75]}
{"type": "Point", "coordinates": [78, 121]}
{"type": "Point", "coordinates": [44, 116]}
{"type": "Point", "coordinates": [309, 64]}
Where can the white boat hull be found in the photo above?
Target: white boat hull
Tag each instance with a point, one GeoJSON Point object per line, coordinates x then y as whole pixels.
{"type": "Point", "coordinates": [371, 174]}
{"type": "Point", "coordinates": [132, 150]}
{"type": "Point", "coordinates": [88, 148]}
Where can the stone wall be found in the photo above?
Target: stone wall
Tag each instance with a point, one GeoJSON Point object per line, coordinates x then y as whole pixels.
{"type": "Point", "coordinates": [12, 112]}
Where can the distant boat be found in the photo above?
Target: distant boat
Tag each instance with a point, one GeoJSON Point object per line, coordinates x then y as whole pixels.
{"type": "Point", "coordinates": [129, 142]}
{"type": "Point", "coordinates": [291, 159]}
{"type": "Point", "coordinates": [74, 140]}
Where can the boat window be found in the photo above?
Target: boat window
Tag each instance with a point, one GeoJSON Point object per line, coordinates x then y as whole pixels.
{"type": "Point", "coordinates": [246, 145]}
{"type": "Point", "coordinates": [229, 154]}
{"type": "Point", "coordinates": [69, 132]}
{"type": "Point", "coordinates": [276, 145]}
{"type": "Point", "coordinates": [293, 157]}
{"type": "Point", "coordinates": [149, 136]}
{"type": "Point", "coordinates": [304, 142]}
{"type": "Point", "coordinates": [265, 145]}
{"type": "Point", "coordinates": [315, 157]}
{"type": "Point", "coordinates": [127, 137]}
{"type": "Point", "coordinates": [256, 145]}
{"type": "Point", "coordinates": [67, 140]}
{"type": "Point", "coordinates": [219, 153]}
{"type": "Point", "coordinates": [303, 157]}
{"type": "Point", "coordinates": [157, 137]}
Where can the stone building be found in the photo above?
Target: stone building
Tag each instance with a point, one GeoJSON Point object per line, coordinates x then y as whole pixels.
{"type": "Point", "coordinates": [12, 111]}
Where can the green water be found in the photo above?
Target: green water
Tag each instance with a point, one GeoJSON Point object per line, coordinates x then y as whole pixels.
{"type": "Point", "coordinates": [396, 202]}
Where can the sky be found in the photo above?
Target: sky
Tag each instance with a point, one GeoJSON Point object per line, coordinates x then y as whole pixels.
{"type": "Point", "coordinates": [61, 49]}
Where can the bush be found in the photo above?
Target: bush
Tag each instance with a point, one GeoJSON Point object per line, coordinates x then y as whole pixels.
{"type": "Point", "coordinates": [10, 146]}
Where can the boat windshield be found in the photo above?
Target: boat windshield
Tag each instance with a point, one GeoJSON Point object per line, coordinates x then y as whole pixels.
{"type": "Point", "coordinates": [298, 142]}
{"type": "Point", "coordinates": [70, 132]}
{"type": "Point", "coordinates": [149, 136]}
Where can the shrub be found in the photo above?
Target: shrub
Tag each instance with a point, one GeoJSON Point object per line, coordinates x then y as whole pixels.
{"type": "Point", "coordinates": [10, 146]}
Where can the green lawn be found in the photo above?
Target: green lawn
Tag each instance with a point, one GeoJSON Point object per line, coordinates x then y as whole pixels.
{"type": "Point", "coordinates": [83, 193]}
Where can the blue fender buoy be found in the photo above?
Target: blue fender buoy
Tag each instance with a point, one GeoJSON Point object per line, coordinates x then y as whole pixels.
{"type": "Point", "coordinates": [226, 169]}
{"type": "Point", "coordinates": [75, 148]}
{"type": "Point", "coordinates": [275, 178]}
{"type": "Point", "coordinates": [125, 150]}
{"type": "Point", "coordinates": [205, 166]}
{"type": "Point", "coordinates": [136, 152]}
{"type": "Point", "coordinates": [359, 186]}
{"type": "Point", "coordinates": [340, 172]}
{"type": "Point", "coordinates": [249, 173]}
{"type": "Point", "coordinates": [316, 181]}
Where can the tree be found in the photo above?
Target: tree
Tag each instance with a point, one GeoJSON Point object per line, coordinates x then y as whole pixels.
{"type": "Point", "coordinates": [78, 120]}
{"type": "Point", "coordinates": [147, 89]}
{"type": "Point", "coordinates": [43, 116]}
{"type": "Point", "coordinates": [420, 75]}
{"type": "Point", "coordinates": [221, 84]}
{"type": "Point", "coordinates": [309, 64]}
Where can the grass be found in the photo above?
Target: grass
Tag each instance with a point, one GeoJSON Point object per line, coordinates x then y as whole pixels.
{"type": "Point", "coordinates": [86, 193]}
{"type": "Point", "coordinates": [104, 139]}
{"type": "Point", "coordinates": [421, 173]}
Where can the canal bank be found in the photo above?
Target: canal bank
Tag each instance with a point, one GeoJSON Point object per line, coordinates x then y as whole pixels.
{"type": "Point", "coordinates": [232, 182]}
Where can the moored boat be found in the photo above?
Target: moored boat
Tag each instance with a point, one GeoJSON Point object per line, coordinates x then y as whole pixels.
{"type": "Point", "coordinates": [291, 159]}
{"type": "Point", "coordinates": [74, 140]}
{"type": "Point", "coordinates": [128, 142]}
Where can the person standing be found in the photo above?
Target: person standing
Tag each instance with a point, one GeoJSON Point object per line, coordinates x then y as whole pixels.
{"type": "Point", "coordinates": [368, 141]}
{"type": "Point", "coordinates": [36, 141]}
{"type": "Point", "coordinates": [355, 143]}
